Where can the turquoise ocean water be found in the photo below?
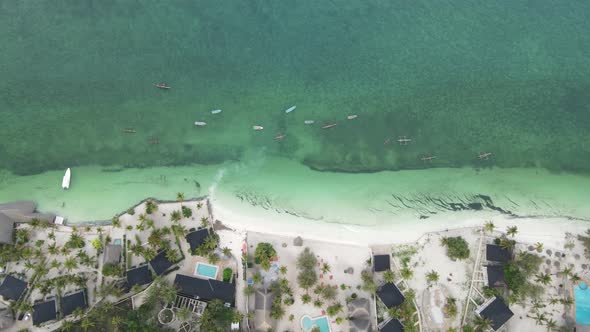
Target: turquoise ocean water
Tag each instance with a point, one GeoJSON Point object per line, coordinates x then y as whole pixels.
{"type": "Point", "coordinates": [458, 78]}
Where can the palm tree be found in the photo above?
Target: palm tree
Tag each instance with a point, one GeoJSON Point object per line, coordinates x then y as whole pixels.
{"type": "Point", "coordinates": [53, 248]}
{"type": "Point", "coordinates": [213, 258]}
{"type": "Point", "coordinates": [51, 235]}
{"type": "Point", "coordinates": [175, 216]}
{"type": "Point", "coordinates": [249, 290]}
{"type": "Point", "coordinates": [512, 230]}
{"type": "Point", "coordinates": [149, 223]}
{"type": "Point", "coordinates": [388, 276]}
{"type": "Point", "coordinates": [86, 323]}
{"type": "Point", "coordinates": [70, 264]}
{"type": "Point", "coordinates": [78, 312]}
{"type": "Point", "coordinates": [183, 314]}
{"type": "Point", "coordinates": [567, 271]}
{"type": "Point", "coordinates": [204, 222]}
{"type": "Point", "coordinates": [29, 265]}
{"type": "Point", "coordinates": [116, 321]}
{"type": "Point", "coordinates": [482, 324]}
{"type": "Point", "coordinates": [432, 277]}
{"type": "Point", "coordinates": [180, 197]}
{"type": "Point", "coordinates": [172, 255]}
{"type": "Point", "coordinates": [283, 269]}
{"type": "Point", "coordinates": [116, 222]}
{"type": "Point", "coordinates": [226, 252]}
{"type": "Point", "coordinates": [489, 226]}
{"type": "Point", "coordinates": [55, 264]}
{"type": "Point", "coordinates": [257, 278]}
{"type": "Point", "coordinates": [539, 318]}
{"type": "Point", "coordinates": [539, 246]}
{"type": "Point", "coordinates": [551, 324]}
{"type": "Point", "coordinates": [325, 268]}
{"type": "Point", "coordinates": [543, 278]}
{"type": "Point", "coordinates": [66, 325]}
{"type": "Point", "coordinates": [575, 278]}
{"type": "Point", "coordinates": [305, 298]}
{"type": "Point", "coordinates": [178, 230]}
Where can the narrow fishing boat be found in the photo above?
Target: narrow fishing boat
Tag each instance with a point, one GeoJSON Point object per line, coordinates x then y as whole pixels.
{"type": "Point", "coordinates": [290, 109]}
{"type": "Point", "coordinates": [200, 124]}
{"type": "Point", "coordinates": [308, 122]}
{"type": "Point", "coordinates": [129, 131]}
{"type": "Point", "coordinates": [280, 137]}
{"type": "Point", "coordinates": [216, 111]}
{"type": "Point", "coordinates": [352, 117]}
{"type": "Point", "coordinates": [330, 125]}
{"type": "Point", "coordinates": [154, 141]}
{"type": "Point", "coordinates": [162, 86]}
{"type": "Point", "coordinates": [257, 127]}
{"type": "Point", "coordinates": [65, 182]}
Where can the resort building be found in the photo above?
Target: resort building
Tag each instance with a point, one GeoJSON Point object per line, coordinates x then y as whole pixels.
{"type": "Point", "coordinates": [196, 238]}
{"type": "Point", "coordinates": [12, 288]}
{"type": "Point", "coordinates": [496, 311]}
{"type": "Point", "coordinates": [160, 263]}
{"type": "Point", "coordinates": [394, 325]}
{"type": "Point", "coordinates": [44, 312]}
{"type": "Point", "coordinates": [390, 295]}
{"type": "Point", "coordinates": [6, 229]}
{"type": "Point", "coordinates": [24, 211]}
{"type": "Point", "coordinates": [381, 263]}
{"type": "Point", "coordinates": [359, 315]}
{"type": "Point", "coordinates": [6, 318]}
{"type": "Point", "coordinates": [112, 254]}
{"type": "Point", "coordinates": [138, 276]}
{"type": "Point", "coordinates": [262, 304]}
{"type": "Point", "coordinates": [69, 303]}
{"type": "Point", "coordinates": [495, 276]}
{"type": "Point", "coordinates": [206, 289]}
{"type": "Point", "coordinates": [497, 254]}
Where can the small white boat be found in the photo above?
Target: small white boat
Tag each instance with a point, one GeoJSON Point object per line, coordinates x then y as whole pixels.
{"type": "Point", "coordinates": [308, 122]}
{"type": "Point", "coordinates": [351, 117]}
{"type": "Point", "coordinates": [200, 124]}
{"type": "Point", "coordinates": [257, 127]}
{"type": "Point", "coordinates": [215, 111]}
{"type": "Point", "coordinates": [290, 109]}
{"type": "Point", "coordinates": [65, 183]}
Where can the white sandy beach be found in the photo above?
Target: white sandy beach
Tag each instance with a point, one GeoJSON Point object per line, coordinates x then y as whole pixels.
{"type": "Point", "coordinates": [405, 230]}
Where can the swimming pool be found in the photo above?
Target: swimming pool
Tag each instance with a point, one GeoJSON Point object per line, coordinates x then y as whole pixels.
{"type": "Point", "coordinates": [322, 322]}
{"type": "Point", "coordinates": [582, 294]}
{"type": "Point", "coordinates": [206, 270]}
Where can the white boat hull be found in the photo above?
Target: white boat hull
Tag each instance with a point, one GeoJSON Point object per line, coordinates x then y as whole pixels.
{"type": "Point", "coordinates": [257, 127]}
{"type": "Point", "coordinates": [290, 109]}
{"type": "Point", "coordinates": [65, 182]}
{"type": "Point", "coordinates": [200, 124]}
{"type": "Point", "coordinates": [215, 111]}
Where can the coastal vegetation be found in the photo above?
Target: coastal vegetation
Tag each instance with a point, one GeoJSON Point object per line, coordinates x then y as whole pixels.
{"type": "Point", "coordinates": [263, 254]}
{"type": "Point", "coordinates": [518, 274]}
{"type": "Point", "coordinates": [306, 263]}
{"type": "Point", "coordinates": [457, 247]}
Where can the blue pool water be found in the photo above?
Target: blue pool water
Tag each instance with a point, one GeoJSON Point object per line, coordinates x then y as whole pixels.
{"type": "Point", "coordinates": [321, 322]}
{"type": "Point", "coordinates": [206, 270]}
{"type": "Point", "coordinates": [582, 304]}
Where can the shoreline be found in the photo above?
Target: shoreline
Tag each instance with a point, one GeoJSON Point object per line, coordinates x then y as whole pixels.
{"type": "Point", "coordinates": [399, 233]}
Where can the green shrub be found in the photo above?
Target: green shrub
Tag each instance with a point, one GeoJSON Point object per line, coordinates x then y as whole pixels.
{"type": "Point", "coordinates": [264, 253]}
{"type": "Point", "coordinates": [227, 273]}
{"type": "Point", "coordinates": [111, 270]}
{"type": "Point", "coordinates": [186, 211]}
{"type": "Point", "coordinates": [457, 247]}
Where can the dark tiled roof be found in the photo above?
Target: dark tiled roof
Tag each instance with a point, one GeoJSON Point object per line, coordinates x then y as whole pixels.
{"type": "Point", "coordinates": [393, 325]}
{"type": "Point", "coordinates": [496, 253]}
{"type": "Point", "coordinates": [498, 312]}
{"type": "Point", "coordinates": [381, 262]}
{"type": "Point", "coordinates": [205, 290]}
{"type": "Point", "coordinates": [496, 276]}
{"type": "Point", "coordinates": [12, 288]}
{"type": "Point", "coordinates": [196, 238]}
{"type": "Point", "coordinates": [390, 295]}
{"type": "Point", "coordinates": [71, 302]}
{"type": "Point", "coordinates": [160, 263]}
{"type": "Point", "coordinates": [44, 312]}
{"type": "Point", "coordinates": [139, 276]}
